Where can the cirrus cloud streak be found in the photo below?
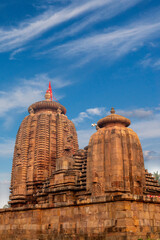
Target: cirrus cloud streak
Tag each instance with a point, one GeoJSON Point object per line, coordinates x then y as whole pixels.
{"type": "Point", "coordinates": [114, 44]}
{"type": "Point", "coordinates": [26, 31]}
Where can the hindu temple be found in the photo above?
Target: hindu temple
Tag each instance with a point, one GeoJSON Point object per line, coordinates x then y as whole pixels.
{"type": "Point", "coordinates": [59, 191]}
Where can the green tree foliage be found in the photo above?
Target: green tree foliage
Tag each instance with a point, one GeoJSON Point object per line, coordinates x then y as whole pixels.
{"type": "Point", "coordinates": [156, 175]}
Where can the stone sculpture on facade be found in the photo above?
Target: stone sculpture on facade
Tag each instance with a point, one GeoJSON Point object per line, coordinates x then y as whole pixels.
{"type": "Point", "coordinates": [100, 192]}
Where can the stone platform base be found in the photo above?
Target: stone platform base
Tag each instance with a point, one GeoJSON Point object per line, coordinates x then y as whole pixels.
{"type": "Point", "coordinates": [101, 218]}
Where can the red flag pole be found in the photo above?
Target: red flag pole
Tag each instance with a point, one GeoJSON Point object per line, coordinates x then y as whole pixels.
{"type": "Point", "coordinates": [50, 90]}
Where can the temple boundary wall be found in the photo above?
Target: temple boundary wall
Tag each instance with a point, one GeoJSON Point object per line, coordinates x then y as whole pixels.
{"type": "Point", "coordinates": [124, 217]}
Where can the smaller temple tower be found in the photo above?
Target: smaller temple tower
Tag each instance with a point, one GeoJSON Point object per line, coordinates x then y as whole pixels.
{"type": "Point", "coordinates": [115, 160]}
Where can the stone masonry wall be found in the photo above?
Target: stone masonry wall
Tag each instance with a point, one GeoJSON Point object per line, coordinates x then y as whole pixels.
{"type": "Point", "coordinates": [118, 220]}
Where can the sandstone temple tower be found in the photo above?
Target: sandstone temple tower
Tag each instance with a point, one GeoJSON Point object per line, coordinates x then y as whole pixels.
{"type": "Point", "coordinates": [59, 191]}
{"type": "Point", "coordinates": [115, 160]}
{"type": "Point", "coordinates": [44, 136]}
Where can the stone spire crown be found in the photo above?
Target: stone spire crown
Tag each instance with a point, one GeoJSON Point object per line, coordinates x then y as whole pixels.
{"type": "Point", "coordinates": [113, 119]}
{"type": "Point", "coordinates": [46, 105]}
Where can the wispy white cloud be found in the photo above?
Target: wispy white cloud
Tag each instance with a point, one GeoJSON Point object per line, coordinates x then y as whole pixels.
{"type": "Point", "coordinates": [151, 62]}
{"type": "Point", "coordinates": [15, 52]}
{"type": "Point", "coordinates": [96, 111]}
{"type": "Point", "coordinates": [114, 43]}
{"type": "Point", "coordinates": [150, 155]}
{"type": "Point", "coordinates": [89, 113]}
{"type": "Point", "coordinates": [28, 91]}
{"type": "Point", "coordinates": [113, 8]}
{"type": "Point", "coordinates": [44, 4]}
{"type": "Point", "coordinates": [139, 113]}
{"type": "Point", "coordinates": [40, 80]}
{"type": "Point", "coordinates": [30, 29]}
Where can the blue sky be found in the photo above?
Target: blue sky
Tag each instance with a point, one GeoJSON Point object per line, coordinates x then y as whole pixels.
{"type": "Point", "coordinates": [97, 55]}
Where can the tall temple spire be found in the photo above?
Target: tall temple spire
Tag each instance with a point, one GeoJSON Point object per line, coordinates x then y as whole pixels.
{"type": "Point", "coordinates": [44, 135]}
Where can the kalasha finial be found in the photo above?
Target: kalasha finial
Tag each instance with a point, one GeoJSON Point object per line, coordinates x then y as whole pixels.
{"type": "Point", "coordinates": [48, 96]}
{"type": "Point", "coordinates": [112, 111]}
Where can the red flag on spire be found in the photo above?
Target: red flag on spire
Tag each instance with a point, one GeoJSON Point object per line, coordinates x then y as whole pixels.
{"type": "Point", "coordinates": [50, 90]}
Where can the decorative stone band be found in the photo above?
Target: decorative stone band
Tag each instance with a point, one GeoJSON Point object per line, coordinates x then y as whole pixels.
{"type": "Point", "coordinates": [113, 119]}
{"type": "Point", "coordinates": [153, 196]}
{"type": "Point", "coordinates": [46, 105]}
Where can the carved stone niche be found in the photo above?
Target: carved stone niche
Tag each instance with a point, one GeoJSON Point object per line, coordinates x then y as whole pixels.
{"type": "Point", "coordinates": [18, 150]}
{"type": "Point", "coordinates": [68, 143]}
{"type": "Point", "coordinates": [31, 111]}
{"type": "Point", "coordinates": [64, 163]}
